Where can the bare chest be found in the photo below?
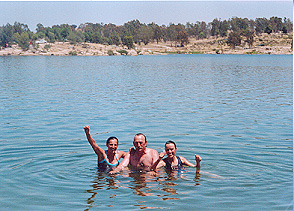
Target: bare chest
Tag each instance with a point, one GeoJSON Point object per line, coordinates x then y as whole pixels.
{"type": "Point", "coordinates": [141, 162]}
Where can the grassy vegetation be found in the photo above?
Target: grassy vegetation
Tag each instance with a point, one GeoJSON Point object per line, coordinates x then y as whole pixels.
{"type": "Point", "coordinates": [123, 52]}
{"type": "Point", "coordinates": [185, 52]}
{"type": "Point", "coordinates": [73, 53]}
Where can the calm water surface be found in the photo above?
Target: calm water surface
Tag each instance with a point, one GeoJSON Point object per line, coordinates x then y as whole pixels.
{"type": "Point", "coordinates": [233, 110]}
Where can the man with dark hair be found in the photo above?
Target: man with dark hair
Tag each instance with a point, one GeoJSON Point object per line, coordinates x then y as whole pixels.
{"type": "Point", "coordinates": [139, 157]}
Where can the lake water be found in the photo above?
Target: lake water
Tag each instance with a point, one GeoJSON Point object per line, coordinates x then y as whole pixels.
{"type": "Point", "coordinates": [235, 111]}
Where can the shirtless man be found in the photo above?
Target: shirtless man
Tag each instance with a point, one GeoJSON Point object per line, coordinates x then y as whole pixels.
{"type": "Point", "coordinates": [139, 158]}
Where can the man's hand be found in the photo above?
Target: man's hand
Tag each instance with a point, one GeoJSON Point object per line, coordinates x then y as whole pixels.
{"type": "Point", "coordinates": [162, 154]}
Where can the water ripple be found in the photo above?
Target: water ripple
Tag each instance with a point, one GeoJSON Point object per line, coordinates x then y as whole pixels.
{"type": "Point", "coordinates": [233, 110]}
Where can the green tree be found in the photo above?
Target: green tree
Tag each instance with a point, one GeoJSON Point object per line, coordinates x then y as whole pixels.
{"type": "Point", "coordinates": [183, 37]}
{"type": "Point", "coordinates": [16, 37]}
{"type": "Point", "coordinates": [114, 39]}
{"type": "Point", "coordinates": [219, 28]}
{"type": "Point", "coordinates": [251, 25]}
{"type": "Point", "coordinates": [215, 26]}
{"type": "Point", "coordinates": [145, 34]}
{"type": "Point", "coordinates": [203, 28]}
{"type": "Point", "coordinates": [20, 27]}
{"type": "Point", "coordinates": [172, 33]}
{"type": "Point", "coordinates": [41, 35]}
{"type": "Point", "coordinates": [288, 24]}
{"type": "Point", "coordinates": [88, 37]}
{"type": "Point", "coordinates": [284, 30]}
{"type": "Point", "coordinates": [201, 35]}
{"type": "Point", "coordinates": [57, 33]}
{"type": "Point", "coordinates": [238, 24]}
{"type": "Point", "coordinates": [249, 35]}
{"type": "Point", "coordinates": [157, 33]}
{"type": "Point", "coordinates": [75, 37]}
{"type": "Point", "coordinates": [64, 33]}
{"type": "Point", "coordinates": [22, 40]}
{"type": "Point", "coordinates": [192, 29]}
{"type": "Point", "coordinates": [234, 39]}
{"type": "Point", "coordinates": [261, 24]}
{"type": "Point", "coordinates": [268, 29]}
{"type": "Point", "coordinates": [108, 30]}
{"type": "Point", "coordinates": [96, 37]}
{"type": "Point", "coordinates": [73, 26]}
{"type": "Point", "coordinates": [6, 33]}
{"type": "Point", "coordinates": [128, 41]}
{"type": "Point", "coordinates": [131, 28]}
{"type": "Point", "coordinates": [34, 37]}
{"type": "Point", "coordinates": [40, 28]}
{"type": "Point", "coordinates": [223, 28]}
{"type": "Point", "coordinates": [104, 40]}
{"type": "Point", "coordinates": [276, 24]}
{"type": "Point", "coordinates": [51, 37]}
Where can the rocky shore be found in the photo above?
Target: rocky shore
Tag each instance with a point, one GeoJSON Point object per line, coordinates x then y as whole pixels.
{"type": "Point", "coordinates": [275, 43]}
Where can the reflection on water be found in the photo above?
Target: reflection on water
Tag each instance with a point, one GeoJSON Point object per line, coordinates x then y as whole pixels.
{"type": "Point", "coordinates": [140, 183]}
{"type": "Point", "coordinates": [101, 182]}
{"type": "Point", "coordinates": [161, 184]}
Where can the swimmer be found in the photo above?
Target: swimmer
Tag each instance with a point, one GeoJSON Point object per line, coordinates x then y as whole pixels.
{"type": "Point", "coordinates": [139, 158]}
{"type": "Point", "coordinates": [108, 158]}
{"type": "Point", "coordinates": [173, 162]}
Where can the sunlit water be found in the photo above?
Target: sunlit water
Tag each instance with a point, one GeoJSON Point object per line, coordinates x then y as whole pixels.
{"type": "Point", "coordinates": [235, 111]}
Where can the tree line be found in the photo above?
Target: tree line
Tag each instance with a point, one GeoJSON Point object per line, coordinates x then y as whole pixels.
{"type": "Point", "coordinates": [140, 33]}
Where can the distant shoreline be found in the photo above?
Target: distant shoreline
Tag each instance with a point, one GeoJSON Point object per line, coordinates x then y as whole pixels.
{"type": "Point", "coordinates": [275, 43]}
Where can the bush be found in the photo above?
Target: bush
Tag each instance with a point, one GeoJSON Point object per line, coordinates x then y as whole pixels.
{"type": "Point", "coordinates": [73, 53]}
{"type": "Point", "coordinates": [196, 52]}
{"type": "Point", "coordinates": [46, 47]}
{"type": "Point", "coordinates": [123, 52]}
{"type": "Point", "coordinates": [252, 52]}
{"type": "Point", "coordinates": [110, 53]}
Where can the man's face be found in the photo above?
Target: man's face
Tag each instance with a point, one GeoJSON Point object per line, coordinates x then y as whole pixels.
{"type": "Point", "coordinates": [140, 143]}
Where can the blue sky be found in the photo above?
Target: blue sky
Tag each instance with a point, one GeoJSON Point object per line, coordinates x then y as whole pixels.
{"type": "Point", "coordinates": [119, 12]}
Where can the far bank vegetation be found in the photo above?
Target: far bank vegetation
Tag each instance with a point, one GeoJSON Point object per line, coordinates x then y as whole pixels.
{"type": "Point", "coordinates": [234, 32]}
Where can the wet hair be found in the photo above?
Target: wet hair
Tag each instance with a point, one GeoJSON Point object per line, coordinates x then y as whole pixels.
{"type": "Point", "coordinates": [110, 138]}
{"type": "Point", "coordinates": [141, 134]}
{"type": "Point", "coordinates": [171, 142]}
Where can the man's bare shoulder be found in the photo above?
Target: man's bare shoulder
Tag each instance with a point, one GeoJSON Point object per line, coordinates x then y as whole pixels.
{"type": "Point", "coordinates": [150, 150]}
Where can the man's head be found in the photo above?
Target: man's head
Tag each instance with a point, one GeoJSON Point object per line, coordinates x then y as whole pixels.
{"type": "Point", "coordinates": [140, 142]}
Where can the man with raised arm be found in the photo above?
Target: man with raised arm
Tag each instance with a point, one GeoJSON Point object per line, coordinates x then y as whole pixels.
{"type": "Point", "coordinates": [139, 157]}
